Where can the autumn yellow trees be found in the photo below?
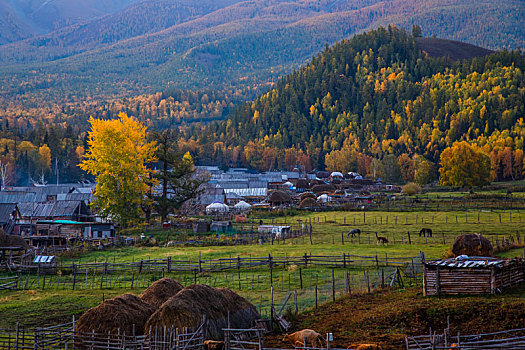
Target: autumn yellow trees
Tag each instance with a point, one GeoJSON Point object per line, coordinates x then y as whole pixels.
{"type": "Point", "coordinates": [117, 156]}
{"type": "Point", "coordinates": [463, 165]}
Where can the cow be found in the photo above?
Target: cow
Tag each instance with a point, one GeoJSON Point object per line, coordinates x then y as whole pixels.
{"type": "Point", "coordinates": [354, 232]}
{"type": "Point", "coordinates": [308, 335]}
{"type": "Point", "coordinates": [425, 232]}
{"type": "Point", "coordinates": [213, 345]}
{"type": "Point", "coordinates": [365, 347]}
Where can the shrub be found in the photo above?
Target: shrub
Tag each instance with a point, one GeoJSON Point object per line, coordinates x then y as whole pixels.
{"type": "Point", "coordinates": [411, 188]}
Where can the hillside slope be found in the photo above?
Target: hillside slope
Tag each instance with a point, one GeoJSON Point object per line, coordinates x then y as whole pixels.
{"type": "Point", "coordinates": [378, 96]}
{"type": "Point", "coordinates": [387, 317]}
{"type": "Point", "coordinates": [42, 16]}
{"type": "Point", "coordinates": [243, 44]}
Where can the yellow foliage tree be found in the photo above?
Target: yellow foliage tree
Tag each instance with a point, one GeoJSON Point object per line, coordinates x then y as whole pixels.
{"type": "Point", "coordinates": [118, 155]}
{"type": "Point", "coordinates": [463, 165]}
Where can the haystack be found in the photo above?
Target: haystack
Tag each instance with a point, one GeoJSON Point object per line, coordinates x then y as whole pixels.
{"type": "Point", "coordinates": [308, 202]}
{"type": "Point", "coordinates": [160, 291]}
{"type": "Point", "coordinates": [188, 307]}
{"type": "Point", "coordinates": [12, 241]}
{"type": "Point", "coordinates": [317, 189]}
{"type": "Point", "coordinates": [472, 244]}
{"type": "Point", "coordinates": [242, 313]}
{"type": "Point", "coordinates": [302, 183]}
{"type": "Point", "coordinates": [121, 312]}
{"type": "Point", "coordinates": [279, 198]}
{"type": "Point", "coordinates": [305, 195]}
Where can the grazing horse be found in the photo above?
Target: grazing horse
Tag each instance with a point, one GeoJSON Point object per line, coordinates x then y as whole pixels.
{"type": "Point", "coordinates": [381, 240]}
{"type": "Point", "coordinates": [354, 232]}
{"type": "Point", "coordinates": [425, 232]}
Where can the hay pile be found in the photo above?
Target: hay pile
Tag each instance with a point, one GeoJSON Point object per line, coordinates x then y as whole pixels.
{"type": "Point", "coordinates": [12, 241]}
{"type": "Point", "coordinates": [308, 202]}
{"type": "Point", "coordinates": [121, 312]}
{"type": "Point", "coordinates": [305, 195]}
{"type": "Point", "coordinates": [160, 291]}
{"type": "Point", "coordinates": [279, 197]}
{"type": "Point", "coordinates": [472, 244]}
{"type": "Point", "coordinates": [188, 307]}
{"type": "Point", "coordinates": [317, 189]}
{"type": "Point", "coordinates": [302, 183]}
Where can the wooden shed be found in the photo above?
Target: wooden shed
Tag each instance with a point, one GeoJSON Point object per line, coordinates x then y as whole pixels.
{"type": "Point", "coordinates": [471, 275]}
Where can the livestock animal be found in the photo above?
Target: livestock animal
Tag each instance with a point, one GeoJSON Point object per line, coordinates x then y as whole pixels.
{"type": "Point", "coordinates": [311, 337]}
{"type": "Point", "coordinates": [213, 345]}
{"type": "Point", "coordinates": [381, 240]}
{"type": "Point", "coordinates": [425, 232]}
{"type": "Point", "coordinates": [354, 232]}
{"type": "Point", "coordinates": [365, 347]}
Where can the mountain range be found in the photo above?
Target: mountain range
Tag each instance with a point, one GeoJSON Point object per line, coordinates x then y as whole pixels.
{"type": "Point", "coordinates": [55, 52]}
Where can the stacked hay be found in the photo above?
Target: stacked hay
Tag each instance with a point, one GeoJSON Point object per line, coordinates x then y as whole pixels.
{"type": "Point", "coordinates": [12, 241]}
{"type": "Point", "coordinates": [308, 202]}
{"type": "Point", "coordinates": [305, 195]}
{"type": "Point", "coordinates": [121, 312]}
{"type": "Point", "coordinates": [317, 189]}
{"type": "Point", "coordinates": [242, 312]}
{"type": "Point", "coordinates": [188, 307]}
{"type": "Point", "coordinates": [302, 183]}
{"type": "Point", "coordinates": [279, 197]}
{"type": "Point", "coordinates": [472, 244]}
{"type": "Point", "coordinates": [160, 291]}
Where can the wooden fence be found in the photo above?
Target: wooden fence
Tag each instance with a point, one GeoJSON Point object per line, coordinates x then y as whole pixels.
{"type": "Point", "coordinates": [168, 265]}
{"type": "Point", "coordinates": [64, 336]}
{"type": "Point", "coordinates": [9, 283]}
{"type": "Point", "coordinates": [507, 339]}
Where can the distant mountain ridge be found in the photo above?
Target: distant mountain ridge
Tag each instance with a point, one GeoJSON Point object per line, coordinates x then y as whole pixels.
{"type": "Point", "coordinates": [238, 45]}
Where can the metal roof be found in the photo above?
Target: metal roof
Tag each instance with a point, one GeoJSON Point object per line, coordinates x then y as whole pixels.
{"type": "Point", "coordinates": [6, 209]}
{"type": "Point", "coordinates": [86, 197]}
{"type": "Point", "coordinates": [45, 259]}
{"type": "Point", "coordinates": [248, 192]}
{"type": "Point", "coordinates": [469, 262]}
{"type": "Point", "coordinates": [54, 209]}
{"type": "Point", "coordinates": [66, 208]}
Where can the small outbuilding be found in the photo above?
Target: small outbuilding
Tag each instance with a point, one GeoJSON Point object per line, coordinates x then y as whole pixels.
{"type": "Point", "coordinates": [217, 208]}
{"type": "Point", "coordinates": [471, 275]}
{"type": "Point", "coordinates": [242, 206]}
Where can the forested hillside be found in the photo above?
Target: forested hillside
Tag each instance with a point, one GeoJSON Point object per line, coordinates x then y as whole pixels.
{"type": "Point", "coordinates": [373, 102]}
{"type": "Point", "coordinates": [226, 45]}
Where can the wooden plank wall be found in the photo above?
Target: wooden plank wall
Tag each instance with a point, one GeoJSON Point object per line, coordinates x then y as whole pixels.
{"type": "Point", "coordinates": [439, 281]}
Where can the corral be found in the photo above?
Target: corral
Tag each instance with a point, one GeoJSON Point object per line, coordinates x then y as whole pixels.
{"type": "Point", "coordinates": [474, 275]}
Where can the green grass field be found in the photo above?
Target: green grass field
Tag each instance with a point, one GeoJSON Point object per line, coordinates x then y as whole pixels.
{"type": "Point", "coordinates": [37, 307]}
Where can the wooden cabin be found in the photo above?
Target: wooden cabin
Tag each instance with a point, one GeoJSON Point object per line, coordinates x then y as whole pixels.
{"type": "Point", "coordinates": [471, 275]}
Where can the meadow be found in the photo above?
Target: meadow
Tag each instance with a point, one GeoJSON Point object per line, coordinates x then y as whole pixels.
{"type": "Point", "coordinates": [41, 303]}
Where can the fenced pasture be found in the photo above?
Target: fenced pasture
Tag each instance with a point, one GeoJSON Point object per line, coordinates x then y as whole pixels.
{"type": "Point", "coordinates": [292, 284]}
{"type": "Point", "coordinates": [335, 264]}
{"type": "Point", "coordinates": [507, 339]}
{"type": "Point", "coordinates": [450, 201]}
{"type": "Point", "coordinates": [64, 336]}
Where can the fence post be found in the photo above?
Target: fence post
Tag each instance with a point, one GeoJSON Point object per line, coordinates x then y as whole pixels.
{"type": "Point", "coordinates": [316, 296]}
{"type": "Point", "coordinates": [295, 301]}
{"type": "Point", "coordinates": [333, 285]}
{"type": "Point", "coordinates": [301, 278]}
{"type": "Point", "coordinates": [271, 270]}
